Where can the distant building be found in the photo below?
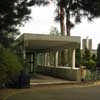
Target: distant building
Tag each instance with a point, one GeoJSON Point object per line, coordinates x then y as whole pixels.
{"type": "Point", "coordinates": [94, 51]}
{"type": "Point", "coordinates": [87, 43]}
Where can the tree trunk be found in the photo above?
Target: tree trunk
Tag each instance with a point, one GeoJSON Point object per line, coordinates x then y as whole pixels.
{"type": "Point", "coordinates": [68, 23]}
{"type": "Point", "coordinates": [62, 20]}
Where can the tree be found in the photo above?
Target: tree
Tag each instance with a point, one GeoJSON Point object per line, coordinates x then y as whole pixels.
{"type": "Point", "coordinates": [86, 57]}
{"type": "Point", "coordinates": [62, 19]}
{"type": "Point", "coordinates": [94, 57]}
{"type": "Point", "coordinates": [98, 56]}
{"type": "Point", "coordinates": [89, 60]}
{"type": "Point", "coordinates": [91, 65]}
{"type": "Point", "coordinates": [78, 9]}
{"type": "Point", "coordinates": [10, 65]}
{"type": "Point", "coordinates": [12, 14]}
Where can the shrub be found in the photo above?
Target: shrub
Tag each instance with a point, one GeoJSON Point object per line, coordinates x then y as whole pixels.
{"type": "Point", "coordinates": [10, 65]}
{"type": "Point", "coordinates": [91, 65]}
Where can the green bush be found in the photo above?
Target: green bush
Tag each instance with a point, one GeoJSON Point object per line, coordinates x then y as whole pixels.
{"type": "Point", "coordinates": [89, 60]}
{"type": "Point", "coordinates": [10, 65]}
{"type": "Point", "coordinates": [91, 65]}
{"type": "Point", "coordinates": [98, 56]}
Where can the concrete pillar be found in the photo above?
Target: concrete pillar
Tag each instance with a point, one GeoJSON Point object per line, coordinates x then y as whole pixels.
{"type": "Point", "coordinates": [24, 57]}
{"type": "Point", "coordinates": [32, 62]}
{"type": "Point", "coordinates": [35, 61]}
{"type": "Point", "coordinates": [73, 59]}
{"type": "Point", "coordinates": [45, 59]}
{"type": "Point", "coordinates": [24, 54]}
{"type": "Point", "coordinates": [42, 59]}
{"type": "Point", "coordinates": [56, 59]}
{"type": "Point", "coordinates": [48, 59]}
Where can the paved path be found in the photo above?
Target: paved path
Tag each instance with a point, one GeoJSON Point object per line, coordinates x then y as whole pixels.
{"type": "Point", "coordinates": [43, 79]}
{"type": "Point", "coordinates": [59, 93]}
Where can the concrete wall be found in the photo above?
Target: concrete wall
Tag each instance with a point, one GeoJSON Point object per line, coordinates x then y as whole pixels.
{"type": "Point", "coordinates": [61, 72]}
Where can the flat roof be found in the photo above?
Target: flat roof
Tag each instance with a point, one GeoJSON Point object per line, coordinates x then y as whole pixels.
{"type": "Point", "coordinates": [42, 41]}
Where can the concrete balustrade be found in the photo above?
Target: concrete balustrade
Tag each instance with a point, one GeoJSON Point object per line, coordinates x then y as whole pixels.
{"type": "Point", "coordinates": [62, 72]}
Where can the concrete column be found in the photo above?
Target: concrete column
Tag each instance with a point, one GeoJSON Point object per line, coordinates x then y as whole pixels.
{"type": "Point", "coordinates": [73, 59]}
{"type": "Point", "coordinates": [56, 59]}
{"type": "Point", "coordinates": [32, 63]}
{"type": "Point", "coordinates": [35, 61]}
{"type": "Point", "coordinates": [24, 54]}
{"type": "Point", "coordinates": [48, 60]}
{"type": "Point", "coordinates": [42, 59]}
{"type": "Point", "coordinates": [24, 57]}
{"type": "Point", "coordinates": [45, 59]}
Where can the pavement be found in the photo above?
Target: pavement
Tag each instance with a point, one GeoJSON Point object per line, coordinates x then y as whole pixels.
{"type": "Point", "coordinates": [58, 93]}
{"type": "Point", "coordinates": [43, 80]}
{"type": "Point", "coordinates": [48, 80]}
{"type": "Point", "coordinates": [50, 88]}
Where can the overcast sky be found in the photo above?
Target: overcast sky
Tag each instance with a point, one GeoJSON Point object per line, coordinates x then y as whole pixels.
{"type": "Point", "coordinates": [43, 19]}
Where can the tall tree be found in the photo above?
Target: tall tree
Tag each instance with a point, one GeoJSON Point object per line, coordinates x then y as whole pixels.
{"type": "Point", "coordinates": [98, 56]}
{"type": "Point", "coordinates": [10, 65]}
{"type": "Point", "coordinates": [62, 19]}
{"type": "Point", "coordinates": [12, 14]}
{"type": "Point", "coordinates": [79, 8]}
{"type": "Point", "coordinates": [86, 56]}
{"type": "Point", "coordinates": [60, 16]}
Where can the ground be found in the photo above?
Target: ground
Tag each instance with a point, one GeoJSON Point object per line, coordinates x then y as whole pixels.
{"type": "Point", "coordinates": [44, 79]}
{"type": "Point", "coordinates": [38, 78]}
{"type": "Point", "coordinates": [57, 93]}
{"type": "Point", "coordinates": [52, 92]}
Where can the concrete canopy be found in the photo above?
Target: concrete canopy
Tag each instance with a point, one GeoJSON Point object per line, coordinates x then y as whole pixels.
{"type": "Point", "coordinates": [42, 41]}
{"type": "Point", "coordinates": [42, 53]}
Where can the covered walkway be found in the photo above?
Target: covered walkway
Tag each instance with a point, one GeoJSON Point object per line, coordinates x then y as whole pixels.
{"type": "Point", "coordinates": [42, 53]}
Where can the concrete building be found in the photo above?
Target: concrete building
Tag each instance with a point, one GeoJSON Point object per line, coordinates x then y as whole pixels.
{"type": "Point", "coordinates": [41, 54]}
{"type": "Point", "coordinates": [87, 43]}
{"type": "Point", "coordinates": [94, 51]}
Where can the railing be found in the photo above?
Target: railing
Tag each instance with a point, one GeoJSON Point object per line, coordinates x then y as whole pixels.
{"type": "Point", "coordinates": [97, 73]}
{"type": "Point", "coordinates": [90, 76]}
{"type": "Point", "coordinates": [93, 75]}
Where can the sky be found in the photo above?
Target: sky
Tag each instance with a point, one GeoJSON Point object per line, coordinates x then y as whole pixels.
{"type": "Point", "coordinates": [43, 20]}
